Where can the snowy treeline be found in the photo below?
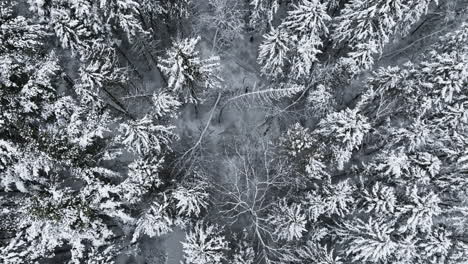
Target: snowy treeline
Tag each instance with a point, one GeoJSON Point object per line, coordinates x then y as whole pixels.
{"type": "Point", "coordinates": [267, 131]}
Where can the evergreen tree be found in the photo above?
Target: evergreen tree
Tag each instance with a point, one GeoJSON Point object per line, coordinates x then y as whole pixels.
{"type": "Point", "coordinates": [307, 23]}
{"type": "Point", "coordinates": [365, 26]}
{"type": "Point", "coordinates": [273, 52]}
{"type": "Point", "coordinates": [289, 221]}
{"type": "Point", "coordinates": [188, 74]}
{"type": "Point", "coordinates": [204, 244]}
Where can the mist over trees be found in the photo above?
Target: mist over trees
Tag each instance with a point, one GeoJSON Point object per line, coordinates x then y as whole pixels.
{"type": "Point", "coordinates": [234, 131]}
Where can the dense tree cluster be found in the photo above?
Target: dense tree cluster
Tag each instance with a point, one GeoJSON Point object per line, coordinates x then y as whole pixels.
{"type": "Point", "coordinates": [323, 131]}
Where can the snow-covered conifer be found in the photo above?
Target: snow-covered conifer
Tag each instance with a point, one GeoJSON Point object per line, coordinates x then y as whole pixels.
{"type": "Point", "coordinates": [165, 105]}
{"type": "Point", "coordinates": [307, 23]}
{"type": "Point", "coordinates": [420, 210]}
{"type": "Point", "coordinates": [289, 221]}
{"type": "Point", "coordinates": [155, 222]}
{"type": "Point", "coordinates": [188, 74]}
{"type": "Point", "coordinates": [273, 51]}
{"type": "Point", "coordinates": [262, 13]}
{"type": "Point", "coordinates": [379, 199]}
{"type": "Point", "coordinates": [338, 198]}
{"type": "Point", "coordinates": [346, 129]}
{"type": "Point", "coordinates": [190, 201]}
{"type": "Point", "coordinates": [205, 244]}
{"type": "Point", "coordinates": [244, 252]}
{"type": "Point", "coordinates": [145, 135]}
{"type": "Point", "coordinates": [365, 26]}
{"type": "Point", "coordinates": [297, 140]}
{"type": "Point", "coordinates": [368, 241]}
{"type": "Point", "coordinates": [320, 101]}
{"type": "Point", "coordinates": [143, 176]}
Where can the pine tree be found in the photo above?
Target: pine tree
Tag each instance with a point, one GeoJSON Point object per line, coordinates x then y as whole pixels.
{"type": "Point", "coordinates": [155, 222]}
{"type": "Point", "coordinates": [289, 221]}
{"type": "Point", "coordinates": [191, 201]}
{"type": "Point", "coordinates": [338, 198]}
{"type": "Point", "coordinates": [262, 13]}
{"type": "Point", "coordinates": [176, 10]}
{"type": "Point", "coordinates": [54, 220]}
{"type": "Point", "coordinates": [436, 247]}
{"type": "Point", "coordinates": [204, 244]}
{"type": "Point", "coordinates": [145, 135]}
{"type": "Point", "coordinates": [188, 74]}
{"type": "Point", "coordinates": [369, 241]}
{"type": "Point", "coordinates": [143, 176]}
{"type": "Point", "coordinates": [365, 26]}
{"type": "Point", "coordinates": [395, 164]}
{"type": "Point", "coordinates": [346, 129]}
{"type": "Point", "coordinates": [165, 105]}
{"type": "Point", "coordinates": [297, 140]}
{"type": "Point", "coordinates": [273, 51]}
{"type": "Point", "coordinates": [420, 210]}
{"type": "Point", "coordinates": [316, 253]}
{"type": "Point", "coordinates": [315, 206]}
{"type": "Point", "coordinates": [307, 23]}
{"type": "Point", "coordinates": [320, 101]}
{"type": "Point", "coordinates": [244, 253]}
{"type": "Point", "coordinates": [78, 24]}
{"type": "Point", "coordinates": [379, 199]}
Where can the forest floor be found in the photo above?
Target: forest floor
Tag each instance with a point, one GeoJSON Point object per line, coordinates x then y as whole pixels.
{"type": "Point", "coordinates": [213, 123]}
{"type": "Point", "coordinates": [173, 246]}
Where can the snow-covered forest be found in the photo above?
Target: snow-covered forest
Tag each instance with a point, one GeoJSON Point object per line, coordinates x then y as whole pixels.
{"type": "Point", "coordinates": [234, 131]}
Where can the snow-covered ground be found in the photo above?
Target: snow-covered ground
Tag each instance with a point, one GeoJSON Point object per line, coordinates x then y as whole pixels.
{"type": "Point", "coordinates": [173, 246]}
